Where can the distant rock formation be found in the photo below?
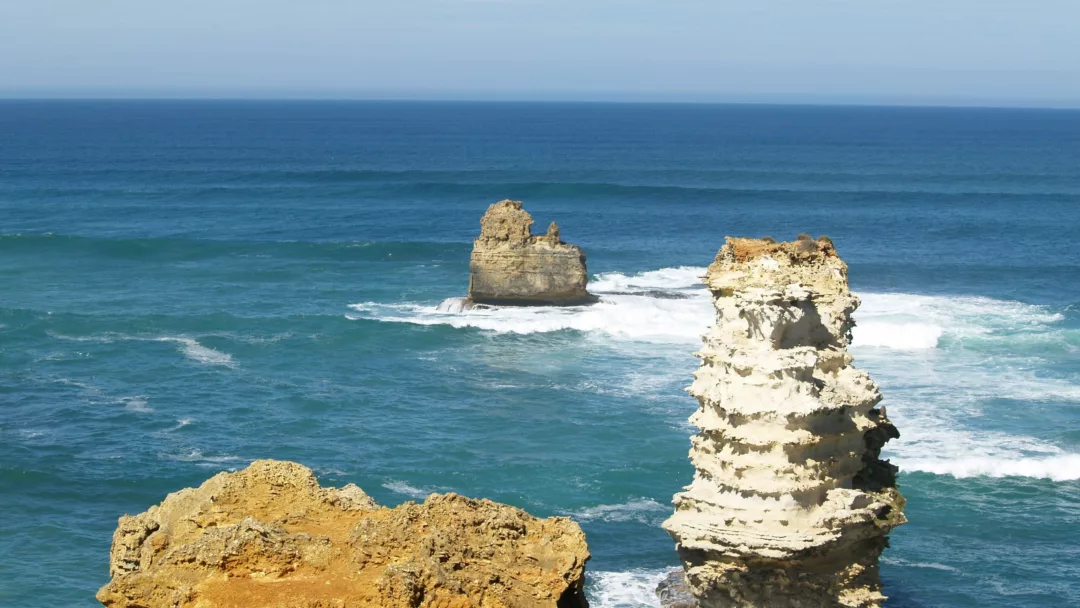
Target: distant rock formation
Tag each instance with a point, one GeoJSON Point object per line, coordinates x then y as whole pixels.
{"type": "Point", "coordinates": [512, 267]}
{"type": "Point", "coordinates": [790, 503]}
{"type": "Point", "coordinates": [269, 536]}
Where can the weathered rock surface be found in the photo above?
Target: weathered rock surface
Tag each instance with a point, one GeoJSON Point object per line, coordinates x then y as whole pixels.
{"type": "Point", "coordinates": [512, 267]}
{"type": "Point", "coordinates": [269, 536]}
{"type": "Point", "coordinates": [674, 592]}
{"type": "Point", "coordinates": [790, 504]}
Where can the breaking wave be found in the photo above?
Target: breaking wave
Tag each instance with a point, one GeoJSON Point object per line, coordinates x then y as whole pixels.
{"type": "Point", "coordinates": [1064, 467]}
{"type": "Point", "coordinates": [643, 510]}
{"type": "Point", "coordinates": [631, 589]}
{"type": "Point", "coordinates": [941, 360]}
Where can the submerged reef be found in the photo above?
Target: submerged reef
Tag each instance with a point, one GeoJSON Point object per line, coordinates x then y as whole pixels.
{"type": "Point", "coordinates": [270, 536]}
{"type": "Point", "coordinates": [510, 266]}
{"type": "Point", "coordinates": [790, 505]}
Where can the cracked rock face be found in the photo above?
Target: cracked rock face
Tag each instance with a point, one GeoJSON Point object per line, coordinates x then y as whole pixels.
{"type": "Point", "coordinates": [790, 504]}
{"type": "Point", "coordinates": [270, 536]}
{"type": "Point", "coordinates": [512, 267]}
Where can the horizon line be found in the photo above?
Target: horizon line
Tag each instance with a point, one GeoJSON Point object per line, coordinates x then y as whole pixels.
{"type": "Point", "coordinates": [866, 103]}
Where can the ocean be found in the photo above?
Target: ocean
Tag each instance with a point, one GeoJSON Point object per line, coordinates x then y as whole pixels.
{"type": "Point", "coordinates": [188, 286]}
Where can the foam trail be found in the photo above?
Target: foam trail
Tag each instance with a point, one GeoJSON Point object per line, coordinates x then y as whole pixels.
{"type": "Point", "coordinates": [197, 457]}
{"type": "Point", "coordinates": [404, 488]}
{"type": "Point", "coordinates": [135, 404]}
{"type": "Point", "coordinates": [643, 510]}
{"type": "Point", "coordinates": [189, 346]}
{"type": "Point", "coordinates": [201, 354]}
{"type": "Point", "coordinates": [638, 317]}
{"type": "Point", "coordinates": [632, 589]}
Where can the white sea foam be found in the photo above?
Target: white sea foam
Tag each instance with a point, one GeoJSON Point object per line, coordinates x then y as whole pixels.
{"type": "Point", "coordinates": [630, 317]}
{"type": "Point", "coordinates": [197, 457]}
{"type": "Point", "coordinates": [1064, 467]}
{"type": "Point", "coordinates": [632, 589]}
{"type": "Point", "coordinates": [681, 277]}
{"type": "Point", "coordinates": [887, 559]}
{"type": "Point", "coordinates": [201, 354]}
{"type": "Point", "coordinates": [189, 346]}
{"type": "Point", "coordinates": [915, 345]}
{"type": "Point", "coordinates": [644, 510]}
{"type": "Point", "coordinates": [907, 321]}
{"type": "Point", "coordinates": [405, 489]}
{"type": "Point", "coordinates": [898, 335]}
{"type": "Point", "coordinates": [639, 317]}
{"type": "Point", "coordinates": [136, 404]}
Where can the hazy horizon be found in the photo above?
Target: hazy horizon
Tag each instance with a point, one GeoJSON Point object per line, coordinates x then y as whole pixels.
{"type": "Point", "coordinates": [959, 53]}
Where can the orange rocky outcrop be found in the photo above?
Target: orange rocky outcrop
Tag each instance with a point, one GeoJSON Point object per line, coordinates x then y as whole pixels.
{"type": "Point", "coordinates": [270, 536]}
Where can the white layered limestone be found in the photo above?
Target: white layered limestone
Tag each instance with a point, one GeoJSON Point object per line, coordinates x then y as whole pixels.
{"type": "Point", "coordinates": [790, 503]}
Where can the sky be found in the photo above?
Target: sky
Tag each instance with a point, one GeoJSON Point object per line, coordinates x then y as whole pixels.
{"type": "Point", "coordinates": [923, 52]}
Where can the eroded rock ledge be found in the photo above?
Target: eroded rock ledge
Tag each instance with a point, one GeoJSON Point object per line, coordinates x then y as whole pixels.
{"type": "Point", "coordinates": [790, 503]}
{"type": "Point", "coordinates": [270, 536]}
{"type": "Point", "coordinates": [512, 267]}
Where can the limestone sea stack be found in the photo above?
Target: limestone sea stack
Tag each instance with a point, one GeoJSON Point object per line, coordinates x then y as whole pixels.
{"type": "Point", "coordinates": [512, 267]}
{"type": "Point", "coordinates": [270, 536]}
{"type": "Point", "coordinates": [790, 504]}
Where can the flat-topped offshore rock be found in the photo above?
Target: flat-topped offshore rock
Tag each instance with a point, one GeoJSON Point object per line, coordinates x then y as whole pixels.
{"type": "Point", "coordinates": [790, 503]}
{"type": "Point", "coordinates": [512, 267]}
{"type": "Point", "coordinates": [270, 537]}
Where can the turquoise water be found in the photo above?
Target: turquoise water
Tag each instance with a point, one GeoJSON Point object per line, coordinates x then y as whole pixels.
{"type": "Point", "coordinates": [188, 286]}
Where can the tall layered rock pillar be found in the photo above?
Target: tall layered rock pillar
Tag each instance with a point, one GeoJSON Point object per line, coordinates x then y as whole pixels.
{"type": "Point", "coordinates": [790, 503]}
{"type": "Point", "coordinates": [511, 266]}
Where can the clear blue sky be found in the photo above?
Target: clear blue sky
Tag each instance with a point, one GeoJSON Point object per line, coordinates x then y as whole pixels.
{"type": "Point", "coordinates": [984, 52]}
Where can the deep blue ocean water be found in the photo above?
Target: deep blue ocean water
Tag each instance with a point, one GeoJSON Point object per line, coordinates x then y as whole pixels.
{"type": "Point", "coordinates": [188, 286]}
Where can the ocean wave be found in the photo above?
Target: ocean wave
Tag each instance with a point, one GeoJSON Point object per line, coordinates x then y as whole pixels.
{"type": "Point", "coordinates": [678, 277]}
{"type": "Point", "coordinates": [630, 589]}
{"type": "Point", "coordinates": [894, 321]}
{"type": "Point", "coordinates": [403, 488]}
{"type": "Point", "coordinates": [942, 362]}
{"type": "Point", "coordinates": [643, 510]}
{"type": "Point", "coordinates": [1062, 467]}
{"type": "Point", "coordinates": [197, 457]}
{"type": "Point", "coordinates": [630, 317]}
{"type": "Point", "coordinates": [135, 404]}
{"type": "Point", "coordinates": [191, 347]}
{"type": "Point", "coordinates": [911, 322]}
{"type": "Point", "coordinates": [201, 354]}
{"type": "Point", "coordinates": [638, 317]}
{"type": "Point", "coordinates": [888, 559]}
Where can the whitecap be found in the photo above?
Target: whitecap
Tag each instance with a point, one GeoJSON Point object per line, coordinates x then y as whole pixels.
{"type": "Point", "coordinates": [197, 457]}
{"type": "Point", "coordinates": [626, 317]}
{"type": "Point", "coordinates": [1062, 467]}
{"type": "Point", "coordinates": [679, 277]}
{"type": "Point", "coordinates": [201, 354]}
{"type": "Point", "coordinates": [643, 510]}
{"type": "Point", "coordinates": [135, 404]}
{"type": "Point", "coordinates": [404, 488]}
{"type": "Point", "coordinates": [903, 562]}
{"type": "Point", "coordinates": [910, 322]}
{"type": "Point", "coordinates": [629, 589]}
